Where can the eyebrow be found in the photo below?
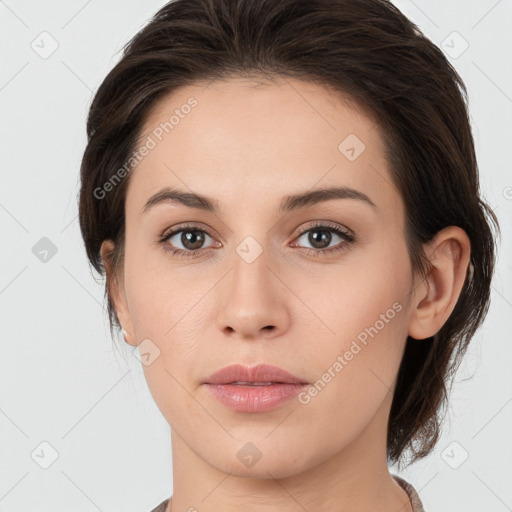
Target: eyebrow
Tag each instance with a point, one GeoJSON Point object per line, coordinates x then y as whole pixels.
{"type": "Point", "coordinates": [289, 203]}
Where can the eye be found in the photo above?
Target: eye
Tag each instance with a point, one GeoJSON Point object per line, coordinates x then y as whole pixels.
{"type": "Point", "coordinates": [186, 241]}
{"type": "Point", "coordinates": [320, 237]}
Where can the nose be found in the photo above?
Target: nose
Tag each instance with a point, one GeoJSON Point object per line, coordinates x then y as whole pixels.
{"type": "Point", "coordinates": [253, 300]}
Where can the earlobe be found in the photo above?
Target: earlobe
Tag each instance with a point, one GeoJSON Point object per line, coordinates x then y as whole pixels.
{"type": "Point", "coordinates": [116, 293]}
{"type": "Point", "coordinates": [438, 294]}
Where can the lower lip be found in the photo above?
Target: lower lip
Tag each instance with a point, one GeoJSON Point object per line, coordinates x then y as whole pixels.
{"type": "Point", "coordinates": [254, 398]}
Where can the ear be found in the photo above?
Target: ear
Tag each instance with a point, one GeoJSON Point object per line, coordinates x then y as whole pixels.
{"type": "Point", "coordinates": [115, 289]}
{"type": "Point", "coordinates": [436, 296]}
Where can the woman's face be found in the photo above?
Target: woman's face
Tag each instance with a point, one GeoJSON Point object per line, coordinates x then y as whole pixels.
{"type": "Point", "coordinates": [265, 284]}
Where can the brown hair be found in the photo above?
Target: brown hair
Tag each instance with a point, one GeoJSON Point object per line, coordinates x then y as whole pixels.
{"type": "Point", "coordinates": [364, 48]}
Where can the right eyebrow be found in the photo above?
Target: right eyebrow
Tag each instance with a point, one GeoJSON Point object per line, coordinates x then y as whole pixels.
{"type": "Point", "coordinates": [173, 195]}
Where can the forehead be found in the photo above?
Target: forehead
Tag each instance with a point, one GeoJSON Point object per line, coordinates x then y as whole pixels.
{"type": "Point", "coordinates": [241, 140]}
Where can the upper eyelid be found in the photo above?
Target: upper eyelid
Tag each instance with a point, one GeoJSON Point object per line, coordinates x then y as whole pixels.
{"type": "Point", "coordinates": [185, 227]}
{"type": "Point", "coordinates": [326, 224]}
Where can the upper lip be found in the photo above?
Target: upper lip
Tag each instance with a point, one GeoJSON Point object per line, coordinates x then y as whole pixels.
{"type": "Point", "coordinates": [258, 373]}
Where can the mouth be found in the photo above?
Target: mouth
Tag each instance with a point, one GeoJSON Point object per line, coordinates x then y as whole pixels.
{"type": "Point", "coordinates": [238, 383]}
{"type": "Point", "coordinates": [259, 375]}
{"type": "Point", "coordinates": [254, 389]}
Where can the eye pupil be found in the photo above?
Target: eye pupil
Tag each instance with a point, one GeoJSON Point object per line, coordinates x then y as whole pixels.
{"type": "Point", "coordinates": [192, 239]}
{"type": "Point", "coordinates": [324, 240]}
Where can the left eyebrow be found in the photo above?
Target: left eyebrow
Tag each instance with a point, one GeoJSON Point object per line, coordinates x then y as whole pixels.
{"type": "Point", "coordinates": [320, 195]}
{"type": "Point", "coordinates": [289, 203]}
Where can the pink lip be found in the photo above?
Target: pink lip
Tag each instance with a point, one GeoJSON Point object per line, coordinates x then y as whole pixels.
{"type": "Point", "coordinates": [258, 373]}
{"type": "Point", "coordinates": [251, 398]}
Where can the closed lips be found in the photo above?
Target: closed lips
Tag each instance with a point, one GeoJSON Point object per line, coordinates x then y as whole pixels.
{"type": "Point", "coordinates": [259, 375]}
{"type": "Point", "coordinates": [238, 383]}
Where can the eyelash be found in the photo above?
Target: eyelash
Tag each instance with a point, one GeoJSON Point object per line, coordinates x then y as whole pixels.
{"type": "Point", "coordinates": [347, 240]}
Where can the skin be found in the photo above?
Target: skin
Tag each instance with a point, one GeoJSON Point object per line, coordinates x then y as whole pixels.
{"type": "Point", "coordinates": [247, 146]}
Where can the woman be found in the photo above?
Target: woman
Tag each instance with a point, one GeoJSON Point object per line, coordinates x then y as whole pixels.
{"type": "Point", "coordinates": [283, 196]}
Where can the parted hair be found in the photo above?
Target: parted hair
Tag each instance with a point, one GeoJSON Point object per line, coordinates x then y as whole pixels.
{"type": "Point", "coordinates": [367, 50]}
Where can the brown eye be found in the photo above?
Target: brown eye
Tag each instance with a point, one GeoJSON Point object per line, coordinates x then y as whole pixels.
{"type": "Point", "coordinates": [318, 238]}
{"type": "Point", "coordinates": [321, 236]}
{"type": "Point", "coordinates": [187, 240]}
{"type": "Point", "coordinates": [192, 240]}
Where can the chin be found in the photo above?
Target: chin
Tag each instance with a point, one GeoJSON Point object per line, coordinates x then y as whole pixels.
{"type": "Point", "coordinates": [262, 459]}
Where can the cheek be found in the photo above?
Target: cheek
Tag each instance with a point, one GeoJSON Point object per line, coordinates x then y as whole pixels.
{"type": "Point", "coordinates": [369, 287]}
{"type": "Point", "coordinates": [171, 313]}
{"type": "Point", "coordinates": [365, 305]}
{"type": "Point", "coordinates": [169, 306]}
{"type": "Point", "coordinates": [159, 293]}
{"type": "Point", "coordinates": [167, 311]}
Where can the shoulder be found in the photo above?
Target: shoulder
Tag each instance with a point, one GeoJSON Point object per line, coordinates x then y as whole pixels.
{"type": "Point", "coordinates": [162, 507]}
{"type": "Point", "coordinates": [411, 492]}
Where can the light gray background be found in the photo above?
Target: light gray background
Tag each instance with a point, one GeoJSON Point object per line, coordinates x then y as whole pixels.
{"type": "Point", "coordinates": [61, 382]}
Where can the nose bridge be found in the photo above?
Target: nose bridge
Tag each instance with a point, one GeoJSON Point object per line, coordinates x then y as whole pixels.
{"type": "Point", "coordinates": [251, 253]}
{"type": "Point", "coordinates": [252, 272]}
{"type": "Point", "coordinates": [251, 297]}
